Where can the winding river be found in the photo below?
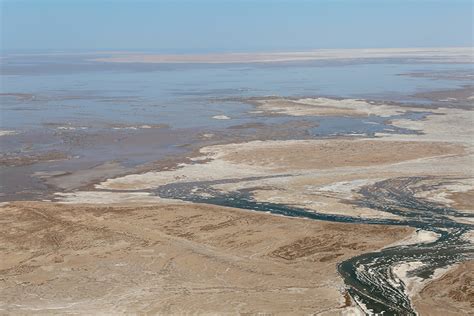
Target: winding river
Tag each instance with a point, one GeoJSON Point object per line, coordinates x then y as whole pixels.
{"type": "Point", "coordinates": [369, 277]}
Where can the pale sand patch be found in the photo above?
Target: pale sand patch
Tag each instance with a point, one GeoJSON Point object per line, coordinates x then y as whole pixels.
{"type": "Point", "coordinates": [213, 170]}
{"type": "Point", "coordinates": [71, 128]}
{"type": "Point", "coordinates": [343, 189]}
{"type": "Point", "coordinates": [104, 197]}
{"type": "Point", "coordinates": [469, 236]}
{"type": "Point", "coordinates": [221, 117]}
{"type": "Point", "coordinates": [352, 311]}
{"type": "Point", "coordinates": [417, 237]}
{"type": "Point", "coordinates": [446, 125]}
{"type": "Point", "coordinates": [327, 107]}
{"type": "Point", "coordinates": [174, 259]}
{"type": "Point", "coordinates": [413, 284]}
{"type": "Point", "coordinates": [6, 132]}
{"type": "Point", "coordinates": [137, 127]}
{"type": "Point", "coordinates": [73, 180]}
{"type": "Point", "coordinates": [450, 192]}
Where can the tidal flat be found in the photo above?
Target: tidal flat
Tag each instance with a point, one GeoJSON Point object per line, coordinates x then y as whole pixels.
{"type": "Point", "coordinates": [157, 185]}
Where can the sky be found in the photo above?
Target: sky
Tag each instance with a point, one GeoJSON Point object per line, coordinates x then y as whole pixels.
{"type": "Point", "coordinates": [186, 26]}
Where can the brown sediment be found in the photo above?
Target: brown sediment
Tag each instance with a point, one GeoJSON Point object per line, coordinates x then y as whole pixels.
{"type": "Point", "coordinates": [312, 245]}
{"type": "Point", "coordinates": [452, 294]}
{"type": "Point", "coordinates": [334, 153]}
{"type": "Point", "coordinates": [459, 98]}
{"type": "Point", "coordinates": [173, 259]}
{"type": "Point", "coordinates": [24, 159]}
{"type": "Point", "coordinates": [463, 200]}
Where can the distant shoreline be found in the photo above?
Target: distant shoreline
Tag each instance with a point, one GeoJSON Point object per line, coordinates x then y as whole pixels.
{"type": "Point", "coordinates": [448, 54]}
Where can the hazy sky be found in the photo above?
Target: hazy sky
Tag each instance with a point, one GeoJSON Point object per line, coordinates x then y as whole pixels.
{"type": "Point", "coordinates": [233, 25]}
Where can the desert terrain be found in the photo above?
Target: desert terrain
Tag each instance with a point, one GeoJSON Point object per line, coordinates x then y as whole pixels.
{"type": "Point", "coordinates": [450, 295]}
{"type": "Point", "coordinates": [175, 259]}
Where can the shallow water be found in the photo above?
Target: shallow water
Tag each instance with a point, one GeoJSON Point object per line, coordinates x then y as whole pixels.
{"type": "Point", "coordinates": [70, 89]}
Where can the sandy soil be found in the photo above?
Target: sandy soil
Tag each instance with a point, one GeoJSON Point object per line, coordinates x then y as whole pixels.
{"type": "Point", "coordinates": [463, 200]}
{"type": "Point", "coordinates": [170, 259]}
{"type": "Point", "coordinates": [324, 154]}
{"type": "Point", "coordinates": [326, 107]}
{"type": "Point", "coordinates": [452, 294]}
{"type": "Point", "coordinates": [453, 54]}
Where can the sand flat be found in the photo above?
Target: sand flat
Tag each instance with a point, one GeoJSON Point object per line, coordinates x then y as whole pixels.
{"type": "Point", "coordinates": [320, 106]}
{"type": "Point", "coordinates": [322, 154]}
